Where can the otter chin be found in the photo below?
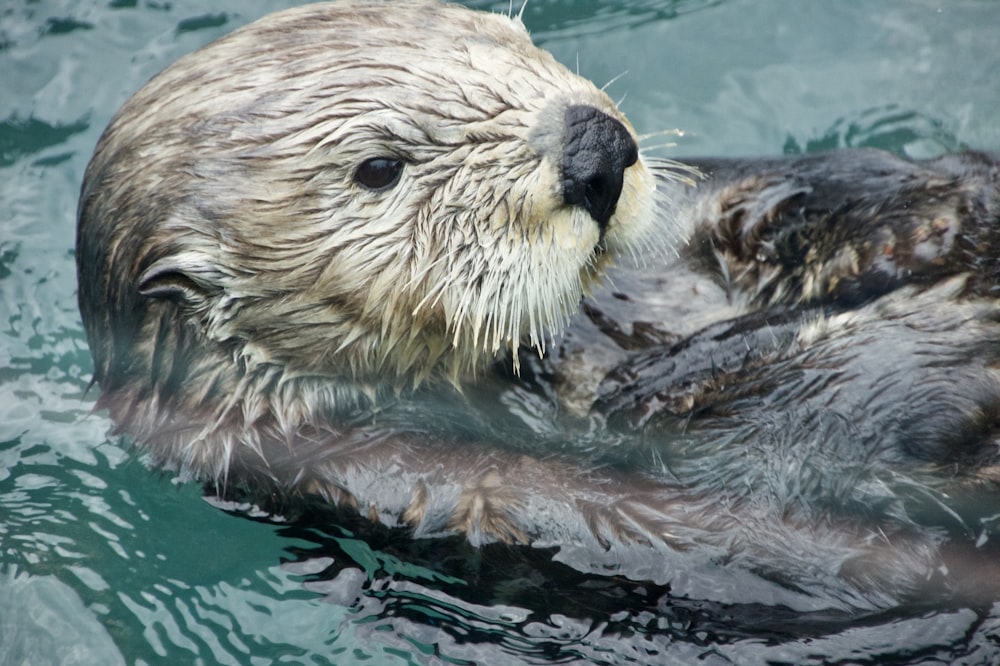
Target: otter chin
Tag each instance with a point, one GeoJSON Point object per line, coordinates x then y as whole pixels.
{"type": "Point", "coordinates": [354, 255]}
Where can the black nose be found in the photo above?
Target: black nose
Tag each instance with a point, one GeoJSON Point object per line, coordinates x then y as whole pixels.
{"type": "Point", "coordinates": [598, 150]}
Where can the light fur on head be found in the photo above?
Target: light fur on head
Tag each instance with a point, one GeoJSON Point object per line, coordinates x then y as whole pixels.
{"type": "Point", "coordinates": [221, 221]}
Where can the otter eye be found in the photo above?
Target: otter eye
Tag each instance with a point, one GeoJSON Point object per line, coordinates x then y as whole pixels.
{"type": "Point", "coordinates": [379, 173]}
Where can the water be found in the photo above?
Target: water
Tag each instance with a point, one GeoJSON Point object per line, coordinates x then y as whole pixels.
{"type": "Point", "coordinates": [103, 560]}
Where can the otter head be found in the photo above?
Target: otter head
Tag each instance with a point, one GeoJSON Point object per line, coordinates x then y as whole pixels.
{"type": "Point", "coordinates": [351, 195]}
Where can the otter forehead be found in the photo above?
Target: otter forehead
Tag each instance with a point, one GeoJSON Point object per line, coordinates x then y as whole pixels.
{"type": "Point", "coordinates": [445, 67]}
{"type": "Point", "coordinates": [362, 190]}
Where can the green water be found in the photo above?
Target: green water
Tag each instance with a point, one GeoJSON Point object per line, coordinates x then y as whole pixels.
{"type": "Point", "coordinates": [104, 561]}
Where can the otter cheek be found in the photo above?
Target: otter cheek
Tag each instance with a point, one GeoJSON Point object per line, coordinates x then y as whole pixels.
{"type": "Point", "coordinates": [634, 220]}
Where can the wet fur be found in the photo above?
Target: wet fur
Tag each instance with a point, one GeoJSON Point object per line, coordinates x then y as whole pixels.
{"type": "Point", "coordinates": [806, 389]}
{"type": "Point", "coordinates": [207, 220]}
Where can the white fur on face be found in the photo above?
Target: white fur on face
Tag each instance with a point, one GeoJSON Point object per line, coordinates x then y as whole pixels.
{"type": "Point", "coordinates": [470, 252]}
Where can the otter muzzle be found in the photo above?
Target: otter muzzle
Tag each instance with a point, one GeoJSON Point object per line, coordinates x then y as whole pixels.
{"type": "Point", "coordinates": [597, 151]}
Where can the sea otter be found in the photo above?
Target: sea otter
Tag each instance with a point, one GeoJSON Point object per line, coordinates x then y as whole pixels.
{"type": "Point", "coordinates": [323, 262]}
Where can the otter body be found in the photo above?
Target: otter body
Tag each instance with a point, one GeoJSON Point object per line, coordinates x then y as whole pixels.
{"type": "Point", "coordinates": [323, 265]}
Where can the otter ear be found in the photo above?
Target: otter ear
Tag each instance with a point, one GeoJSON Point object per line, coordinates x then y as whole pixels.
{"type": "Point", "coordinates": [178, 278]}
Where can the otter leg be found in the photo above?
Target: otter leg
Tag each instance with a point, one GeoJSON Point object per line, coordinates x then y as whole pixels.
{"type": "Point", "coordinates": [844, 227]}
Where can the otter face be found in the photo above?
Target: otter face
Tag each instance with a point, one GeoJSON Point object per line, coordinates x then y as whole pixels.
{"type": "Point", "coordinates": [358, 191]}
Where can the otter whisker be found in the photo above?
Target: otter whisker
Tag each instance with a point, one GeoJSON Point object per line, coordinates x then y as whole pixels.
{"type": "Point", "coordinates": [666, 132]}
{"type": "Point", "coordinates": [520, 14]}
{"type": "Point", "coordinates": [612, 81]}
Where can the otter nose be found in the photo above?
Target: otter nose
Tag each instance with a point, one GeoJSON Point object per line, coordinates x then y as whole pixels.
{"type": "Point", "coordinates": [597, 151]}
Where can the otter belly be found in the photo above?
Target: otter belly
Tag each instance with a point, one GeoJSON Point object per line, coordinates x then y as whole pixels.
{"type": "Point", "coordinates": [319, 268]}
{"type": "Point", "coordinates": [834, 390]}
